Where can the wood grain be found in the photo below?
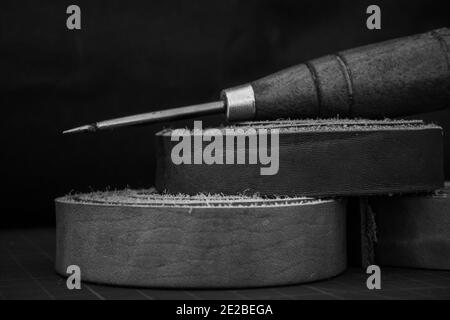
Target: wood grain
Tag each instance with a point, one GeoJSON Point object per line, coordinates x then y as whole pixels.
{"type": "Point", "coordinates": [119, 238]}
{"type": "Point", "coordinates": [414, 230]}
{"type": "Point", "coordinates": [393, 78]}
{"type": "Point", "coordinates": [321, 158]}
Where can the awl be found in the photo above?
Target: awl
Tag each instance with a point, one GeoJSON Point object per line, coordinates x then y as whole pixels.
{"type": "Point", "coordinates": [394, 78]}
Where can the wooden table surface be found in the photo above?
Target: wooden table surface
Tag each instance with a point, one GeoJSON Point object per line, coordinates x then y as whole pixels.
{"type": "Point", "coordinates": [27, 272]}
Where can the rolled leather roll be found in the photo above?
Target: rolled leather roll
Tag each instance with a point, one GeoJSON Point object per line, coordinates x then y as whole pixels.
{"type": "Point", "coordinates": [315, 158]}
{"type": "Point", "coordinates": [142, 238]}
{"type": "Point", "coordinates": [413, 230]}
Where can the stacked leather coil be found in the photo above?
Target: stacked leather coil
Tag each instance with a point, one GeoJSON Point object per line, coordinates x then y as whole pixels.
{"type": "Point", "coordinates": [414, 230]}
{"type": "Point", "coordinates": [141, 238]}
{"type": "Point", "coordinates": [178, 237]}
{"type": "Point", "coordinates": [320, 158]}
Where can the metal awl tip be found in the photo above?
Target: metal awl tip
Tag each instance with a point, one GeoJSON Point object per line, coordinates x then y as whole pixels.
{"type": "Point", "coordinates": [86, 128]}
{"type": "Point", "coordinates": [154, 116]}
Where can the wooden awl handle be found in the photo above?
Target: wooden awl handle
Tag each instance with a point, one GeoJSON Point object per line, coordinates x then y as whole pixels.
{"type": "Point", "coordinates": [393, 78]}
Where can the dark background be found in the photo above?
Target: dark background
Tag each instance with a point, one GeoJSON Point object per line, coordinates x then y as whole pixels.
{"type": "Point", "coordinates": [136, 56]}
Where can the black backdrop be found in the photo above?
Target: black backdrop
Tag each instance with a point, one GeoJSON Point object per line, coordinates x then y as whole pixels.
{"type": "Point", "coordinates": [136, 56]}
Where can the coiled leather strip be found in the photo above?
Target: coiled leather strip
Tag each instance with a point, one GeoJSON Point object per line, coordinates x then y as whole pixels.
{"type": "Point", "coordinates": [320, 158]}
{"type": "Point", "coordinates": [141, 238]}
{"type": "Point", "coordinates": [413, 230]}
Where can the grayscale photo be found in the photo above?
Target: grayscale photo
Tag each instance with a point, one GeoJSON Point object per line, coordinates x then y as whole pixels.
{"type": "Point", "coordinates": [225, 158]}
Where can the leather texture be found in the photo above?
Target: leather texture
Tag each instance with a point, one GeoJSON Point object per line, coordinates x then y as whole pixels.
{"type": "Point", "coordinates": [144, 239]}
{"type": "Point", "coordinates": [320, 158]}
{"type": "Point", "coordinates": [414, 230]}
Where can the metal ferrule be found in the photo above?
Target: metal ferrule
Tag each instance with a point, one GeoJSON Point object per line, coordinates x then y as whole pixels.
{"type": "Point", "coordinates": [240, 102]}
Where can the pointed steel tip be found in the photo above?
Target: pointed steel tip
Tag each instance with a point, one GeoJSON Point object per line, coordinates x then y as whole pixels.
{"type": "Point", "coordinates": [85, 128]}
